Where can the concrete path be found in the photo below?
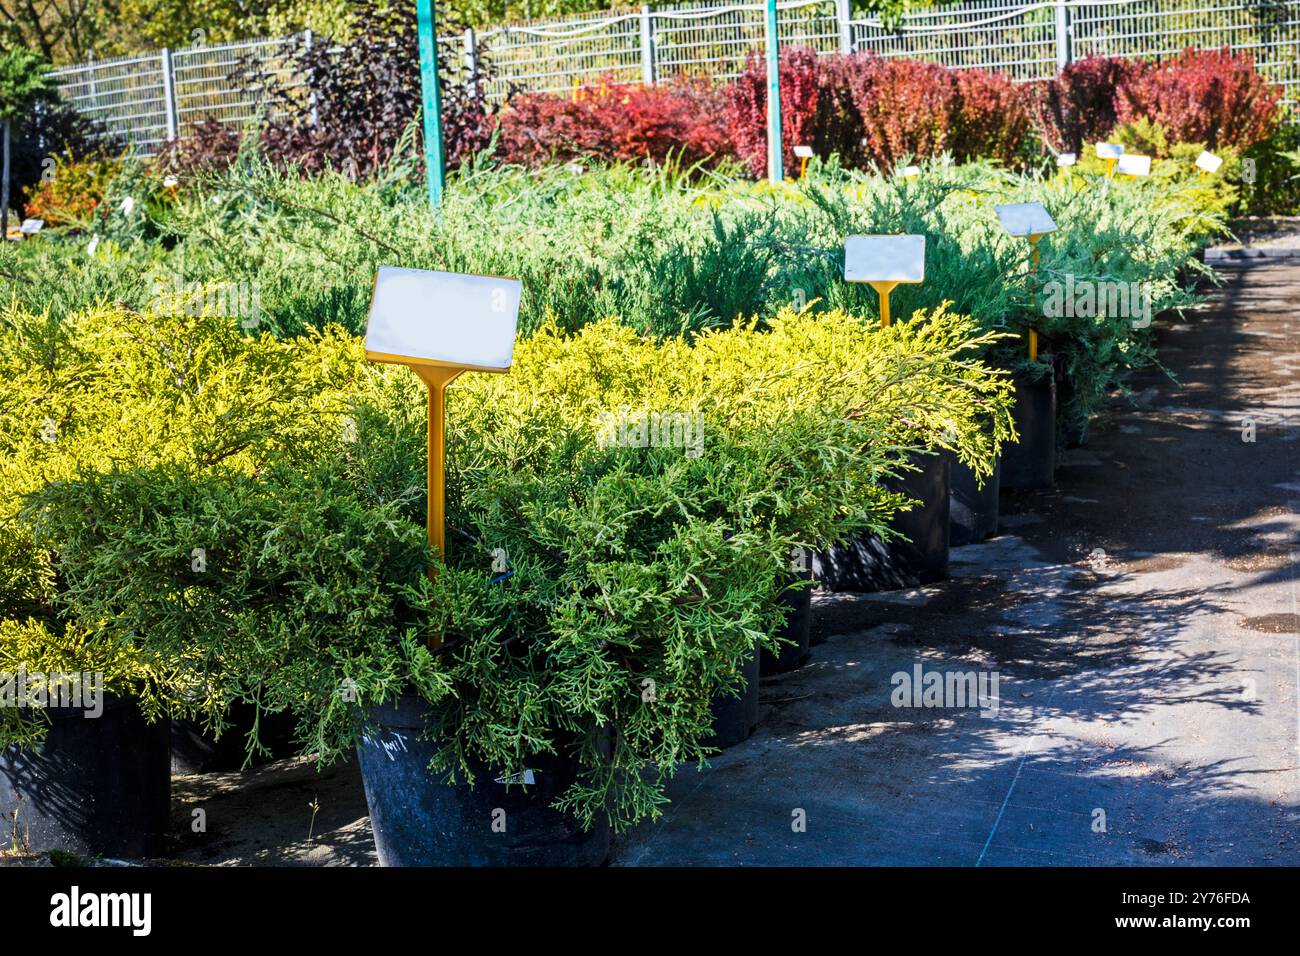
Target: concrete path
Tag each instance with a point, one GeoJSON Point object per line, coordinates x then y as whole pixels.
{"type": "Point", "coordinates": [1141, 619]}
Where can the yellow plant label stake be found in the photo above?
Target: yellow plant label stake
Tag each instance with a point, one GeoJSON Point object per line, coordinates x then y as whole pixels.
{"type": "Point", "coordinates": [441, 324]}
{"type": "Point", "coordinates": [1032, 221]}
{"type": "Point", "coordinates": [884, 263]}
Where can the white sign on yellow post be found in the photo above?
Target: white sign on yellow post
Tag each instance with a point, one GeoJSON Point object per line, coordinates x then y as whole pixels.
{"type": "Point", "coordinates": [1110, 152]}
{"type": "Point", "coordinates": [1032, 221]}
{"type": "Point", "coordinates": [440, 324]}
{"type": "Point", "coordinates": [803, 153]}
{"type": "Point", "coordinates": [884, 262]}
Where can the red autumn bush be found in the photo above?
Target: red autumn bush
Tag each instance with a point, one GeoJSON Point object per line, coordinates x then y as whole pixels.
{"type": "Point", "coordinates": [71, 195]}
{"type": "Point", "coordinates": [1077, 106]}
{"type": "Point", "coordinates": [994, 121]}
{"type": "Point", "coordinates": [1214, 97]}
{"type": "Point", "coordinates": [870, 109]}
{"type": "Point", "coordinates": [801, 94]}
{"type": "Point", "coordinates": [908, 108]}
{"type": "Point", "coordinates": [616, 122]}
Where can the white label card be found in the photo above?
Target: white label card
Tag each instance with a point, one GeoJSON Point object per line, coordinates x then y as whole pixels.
{"type": "Point", "coordinates": [1066, 159]}
{"type": "Point", "coordinates": [1209, 162]}
{"type": "Point", "coordinates": [1026, 219]}
{"type": "Point", "coordinates": [443, 318]}
{"type": "Point", "coordinates": [1109, 150]}
{"type": "Point", "coordinates": [31, 227]}
{"type": "Point", "coordinates": [1133, 165]}
{"type": "Point", "coordinates": [803, 152]}
{"type": "Point", "coordinates": [884, 259]}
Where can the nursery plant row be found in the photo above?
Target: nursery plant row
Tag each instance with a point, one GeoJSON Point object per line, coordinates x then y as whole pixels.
{"type": "Point", "coordinates": [212, 506]}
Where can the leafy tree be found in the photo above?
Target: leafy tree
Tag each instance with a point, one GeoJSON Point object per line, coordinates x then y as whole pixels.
{"type": "Point", "coordinates": [62, 30]}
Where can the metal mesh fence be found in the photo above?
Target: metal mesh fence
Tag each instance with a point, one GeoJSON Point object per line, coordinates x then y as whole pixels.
{"type": "Point", "coordinates": [696, 39]}
{"type": "Point", "coordinates": [551, 57]}
{"type": "Point", "coordinates": [148, 99]}
{"type": "Point", "coordinates": [203, 79]}
{"type": "Point", "coordinates": [1267, 29]}
{"type": "Point", "coordinates": [126, 94]}
{"type": "Point", "coordinates": [1013, 38]}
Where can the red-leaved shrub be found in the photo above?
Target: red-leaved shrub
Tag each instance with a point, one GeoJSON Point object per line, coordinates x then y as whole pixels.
{"type": "Point", "coordinates": [907, 107]}
{"type": "Point", "coordinates": [994, 121]}
{"type": "Point", "coordinates": [869, 109]}
{"type": "Point", "coordinates": [616, 122]}
{"type": "Point", "coordinates": [1214, 97]}
{"type": "Point", "coordinates": [1077, 106]}
{"type": "Point", "coordinates": [801, 94]}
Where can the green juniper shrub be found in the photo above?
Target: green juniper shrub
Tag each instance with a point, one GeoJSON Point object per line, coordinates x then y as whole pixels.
{"type": "Point", "coordinates": [640, 555]}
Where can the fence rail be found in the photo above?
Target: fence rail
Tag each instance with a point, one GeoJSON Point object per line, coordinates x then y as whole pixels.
{"type": "Point", "coordinates": [153, 98]}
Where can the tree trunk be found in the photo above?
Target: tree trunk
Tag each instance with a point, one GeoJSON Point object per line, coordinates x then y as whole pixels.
{"type": "Point", "coordinates": [4, 189]}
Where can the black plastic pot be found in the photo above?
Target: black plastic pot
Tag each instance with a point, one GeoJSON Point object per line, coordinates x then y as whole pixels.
{"type": "Point", "coordinates": [973, 512]}
{"type": "Point", "coordinates": [734, 718]}
{"type": "Point", "coordinates": [419, 820]}
{"type": "Point", "coordinates": [798, 628]}
{"type": "Point", "coordinates": [919, 557]}
{"type": "Point", "coordinates": [1031, 462]}
{"type": "Point", "coordinates": [195, 751]}
{"type": "Point", "coordinates": [96, 786]}
{"type": "Point", "coordinates": [1072, 431]}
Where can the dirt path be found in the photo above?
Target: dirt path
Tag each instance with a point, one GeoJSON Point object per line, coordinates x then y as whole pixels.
{"type": "Point", "coordinates": [1142, 621]}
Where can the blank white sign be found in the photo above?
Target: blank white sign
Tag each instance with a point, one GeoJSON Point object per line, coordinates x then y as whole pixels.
{"type": "Point", "coordinates": [1109, 150]}
{"type": "Point", "coordinates": [1209, 162]}
{"type": "Point", "coordinates": [907, 172]}
{"type": "Point", "coordinates": [31, 227]}
{"type": "Point", "coordinates": [884, 259]}
{"type": "Point", "coordinates": [443, 318]}
{"type": "Point", "coordinates": [1026, 219]}
{"type": "Point", "coordinates": [803, 152]}
{"type": "Point", "coordinates": [1134, 165]}
{"type": "Point", "coordinates": [1066, 159]}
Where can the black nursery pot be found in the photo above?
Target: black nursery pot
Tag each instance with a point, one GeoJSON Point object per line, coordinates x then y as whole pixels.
{"type": "Point", "coordinates": [1031, 462]}
{"type": "Point", "coordinates": [1073, 432]}
{"type": "Point", "coordinates": [196, 751]}
{"type": "Point", "coordinates": [919, 557]}
{"type": "Point", "coordinates": [419, 820]}
{"type": "Point", "coordinates": [734, 718]}
{"type": "Point", "coordinates": [96, 786]}
{"type": "Point", "coordinates": [797, 603]}
{"type": "Point", "coordinates": [973, 511]}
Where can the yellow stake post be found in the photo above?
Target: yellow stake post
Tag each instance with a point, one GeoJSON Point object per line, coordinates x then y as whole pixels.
{"type": "Point", "coordinates": [883, 289]}
{"type": "Point", "coordinates": [1032, 221]}
{"type": "Point", "coordinates": [439, 324]}
{"type": "Point", "coordinates": [437, 379]}
{"type": "Point", "coordinates": [1033, 333]}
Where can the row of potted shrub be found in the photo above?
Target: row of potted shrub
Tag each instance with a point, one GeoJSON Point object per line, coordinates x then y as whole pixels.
{"type": "Point", "coordinates": [216, 519]}
{"type": "Point", "coordinates": [640, 579]}
{"type": "Point", "coordinates": [669, 256]}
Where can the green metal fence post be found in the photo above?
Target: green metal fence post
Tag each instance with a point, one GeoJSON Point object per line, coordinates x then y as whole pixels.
{"type": "Point", "coordinates": [433, 154]}
{"type": "Point", "coordinates": [775, 171]}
